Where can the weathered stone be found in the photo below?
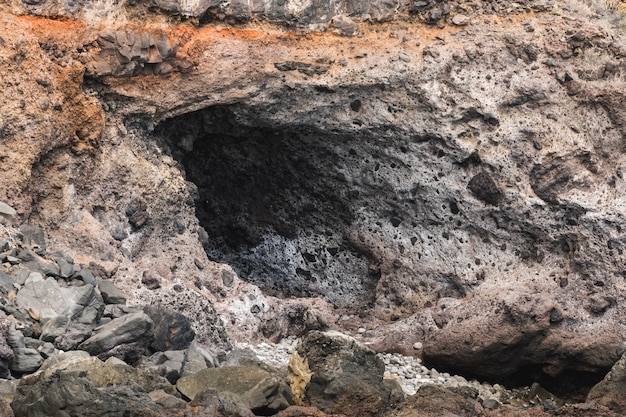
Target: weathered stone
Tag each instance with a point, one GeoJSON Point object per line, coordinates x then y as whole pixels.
{"type": "Point", "coordinates": [611, 391]}
{"type": "Point", "coordinates": [66, 269]}
{"type": "Point", "coordinates": [6, 283]}
{"type": "Point", "coordinates": [86, 276]}
{"type": "Point", "coordinates": [5, 408]}
{"type": "Point", "coordinates": [7, 213]}
{"type": "Point", "coordinates": [25, 360]}
{"type": "Point", "coordinates": [172, 330]}
{"type": "Point", "coordinates": [256, 387]}
{"type": "Point", "coordinates": [84, 304]}
{"type": "Point", "coordinates": [485, 188]}
{"type": "Point", "coordinates": [168, 364]}
{"type": "Point", "coordinates": [6, 352]}
{"type": "Point", "coordinates": [7, 390]}
{"type": "Point", "coordinates": [126, 329]}
{"type": "Point", "coordinates": [460, 19]}
{"type": "Point", "coordinates": [151, 280]}
{"type": "Point", "coordinates": [36, 263]}
{"type": "Point", "coordinates": [81, 386]}
{"type": "Point", "coordinates": [110, 293]}
{"type": "Point", "coordinates": [224, 403]}
{"type": "Point", "coordinates": [347, 378]}
{"type": "Point", "coordinates": [195, 361]}
{"type": "Point", "coordinates": [33, 236]}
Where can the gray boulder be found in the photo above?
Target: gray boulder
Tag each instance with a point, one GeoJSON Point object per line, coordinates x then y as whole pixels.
{"type": "Point", "coordinates": [110, 293]}
{"type": "Point", "coordinates": [25, 360]}
{"type": "Point", "coordinates": [168, 364]}
{"type": "Point", "coordinates": [33, 237]}
{"type": "Point", "coordinates": [7, 214]}
{"type": "Point", "coordinates": [347, 378]}
{"type": "Point", "coordinates": [256, 387]}
{"type": "Point", "coordinates": [82, 304]}
{"type": "Point", "coordinates": [73, 384]}
{"type": "Point", "coordinates": [130, 328]}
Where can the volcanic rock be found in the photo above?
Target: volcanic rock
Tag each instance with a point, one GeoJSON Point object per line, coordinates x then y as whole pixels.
{"type": "Point", "coordinates": [257, 388]}
{"type": "Point", "coordinates": [347, 378]}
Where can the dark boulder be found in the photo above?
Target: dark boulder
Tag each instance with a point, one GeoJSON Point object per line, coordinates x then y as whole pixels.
{"type": "Point", "coordinates": [172, 330]}
{"type": "Point", "coordinates": [347, 378]}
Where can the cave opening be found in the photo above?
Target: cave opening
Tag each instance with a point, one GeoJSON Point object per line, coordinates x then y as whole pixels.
{"type": "Point", "coordinates": [280, 204]}
{"type": "Point", "coordinates": [275, 204]}
{"type": "Point", "coordinates": [570, 385]}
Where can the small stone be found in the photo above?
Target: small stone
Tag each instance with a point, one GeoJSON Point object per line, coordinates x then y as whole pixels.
{"type": "Point", "coordinates": [460, 20]}
{"type": "Point", "coordinates": [151, 280]}
{"type": "Point", "coordinates": [417, 345]}
{"type": "Point", "coordinates": [490, 404]}
{"type": "Point", "coordinates": [362, 330]}
{"type": "Point", "coordinates": [404, 57]}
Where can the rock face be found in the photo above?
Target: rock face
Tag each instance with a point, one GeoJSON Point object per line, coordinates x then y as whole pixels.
{"type": "Point", "coordinates": [454, 185]}
{"type": "Point", "coordinates": [78, 385]}
{"type": "Point", "coordinates": [611, 391]}
{"type": "Point", "coordinates": [258, 389]}
{"type": "Point", "coordinates": [347, 378]}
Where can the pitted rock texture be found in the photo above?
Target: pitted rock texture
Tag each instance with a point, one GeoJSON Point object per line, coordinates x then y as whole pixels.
{"type": "Point", "coordinates": [457, 186]}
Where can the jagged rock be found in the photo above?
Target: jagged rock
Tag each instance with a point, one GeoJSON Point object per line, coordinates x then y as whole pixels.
{"type": "Point", "coordinates": [168, 364]}
{"type": "Point", "coordinates": [6, 283]}
{"type": "Point", "coordinates": [347, 188]}
{"type": "Point", "coordinates": [172, 330]}
{"type": "Point", "coordinates": [82, 304]}
{"type": "Point", "coordinates": [25, 360]}
{"type": "Point", "coordinates": [8, 387]}
{"type": "Point", "coordinates": [6, 352]}
{"type": "Point", "coordinates": [110, 293]}
{"type": "Point", "coordinates": [35, 263]}
{"type": "Point", "coordinates": [7, 213]}
{"type": "Point", "coordinates": [257, 388]}
{"type": "Point", "coordinates": [198, 359]}
{"type": "Point", "coordinates": [225, 403]}
{"type": "Point", "coordinates": [300, 411]}
{"type": "Point", "coordinates": [5, 408]}
{"type": "Point", "coordinates": [126, 329]}
{"type": "Point", "coordinates": [78, 385]}
{"type": "Point", "coordinates": [347, 378]}
{"type": "Point", "coordinates": [33, 236]}
{"type": "Point", "coordinates": [611, 391]}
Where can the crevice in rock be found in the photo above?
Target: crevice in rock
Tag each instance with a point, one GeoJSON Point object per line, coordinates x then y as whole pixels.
{"type": "Point", "coordinates": [570, 385]}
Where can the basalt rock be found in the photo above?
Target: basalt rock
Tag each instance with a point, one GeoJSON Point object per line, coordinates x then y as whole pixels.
{"type": "Point", "coordinates": [451, 185]}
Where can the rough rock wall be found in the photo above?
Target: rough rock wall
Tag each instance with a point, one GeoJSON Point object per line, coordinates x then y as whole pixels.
{"type": "Point", "coordinates": [454, 185]}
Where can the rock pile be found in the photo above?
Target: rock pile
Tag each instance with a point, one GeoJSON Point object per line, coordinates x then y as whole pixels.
{"type": "Point", "coordinates": [125, 53]}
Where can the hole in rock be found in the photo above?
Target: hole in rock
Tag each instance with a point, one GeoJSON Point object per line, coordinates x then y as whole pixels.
{"type": "Point", "coordinates": [570, 385]}
{"type": "Point", "coordinates": [276, 204]}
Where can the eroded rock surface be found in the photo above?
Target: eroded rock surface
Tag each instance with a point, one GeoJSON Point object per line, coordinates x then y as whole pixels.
{"type": "Point", "coordinates": [451, 178]}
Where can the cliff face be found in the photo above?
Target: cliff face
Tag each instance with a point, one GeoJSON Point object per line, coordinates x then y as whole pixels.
{"type": "Point", "coordinates": [451, 175]}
